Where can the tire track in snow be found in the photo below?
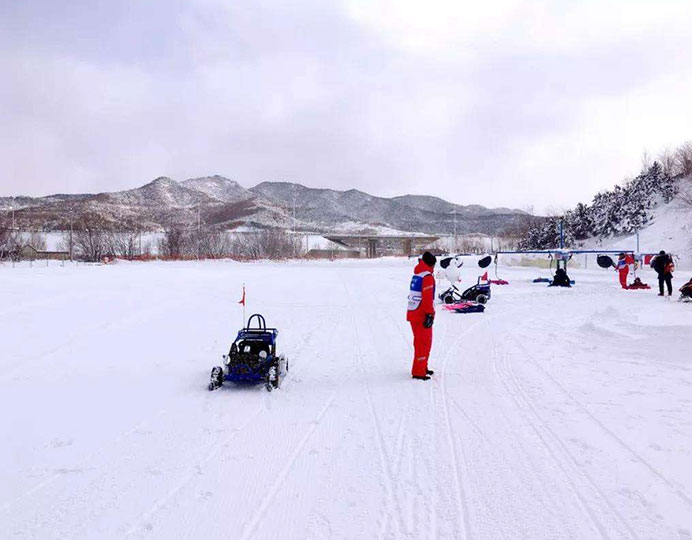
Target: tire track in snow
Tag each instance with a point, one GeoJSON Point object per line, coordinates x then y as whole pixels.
{"type": "Point", "coordinates": [563, 464]}
{"type": "Point", "coordinates": [462, 499]}
{"type": "Point", "coordinates": [393, 504]}
{"type": "Point", "coordinates": [100, 327]}
{"type": "Point", "coordinates": [530, 403]}
{"type": "Point", "coordinates": [80, 464]}
{"type": "Point", "coordinates": [655, 472]}
{"type": "Point", "coordinates": [429, 465]}
{"type": "Point", "coordinates": [251, 525]}
{"type": "Point", "coordinates": [190, 475]}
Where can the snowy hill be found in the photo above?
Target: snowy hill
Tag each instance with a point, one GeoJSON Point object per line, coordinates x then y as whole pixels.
{"type": "Point", "coordinates": [225, 204]}
{"type": "Point", "coordinates": [435, 204]}
{"type": "Point", "coordinates": [219, 188]}
{"type": "Point", "coordinates": [162, 192]}
{"type": "Point", "coordinates": [325, 207]}
{"type": "Point", "coordinates": [670, 229]}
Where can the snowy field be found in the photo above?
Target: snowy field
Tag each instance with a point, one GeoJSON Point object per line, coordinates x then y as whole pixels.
{"type": "Point", "coordinates": [555, 414]}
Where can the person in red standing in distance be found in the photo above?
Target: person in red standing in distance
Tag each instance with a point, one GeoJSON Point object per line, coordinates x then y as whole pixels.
{"type": "Point", "coordinates": [623, 268]}
{"type": "Point", "coordinates": [421, 314]}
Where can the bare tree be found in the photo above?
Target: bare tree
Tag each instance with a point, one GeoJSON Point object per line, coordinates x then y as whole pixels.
{"type": "Point", "coordinates": [668, 161]}
{"type": "Point", "coordinates": [683, 159]}
{"type": "Point", "coordinates": [176, 243]}
{"type": "Point", "coordinates": [267, 244]}
{"type": "Point", "coordinates": [90, 238]}
{"type": "Point", "coordinates": [524, 223]}
{"type": "Point", "coordinates": [214, 245]}
{"type": "Point", "coordinates": [124, 244]}
{"type": "Point", "coordinates": [646, 161]}
{"type": "Point", "coordinates": [37, 241]}
{"type": "Point", "coordinates": [5, 239]}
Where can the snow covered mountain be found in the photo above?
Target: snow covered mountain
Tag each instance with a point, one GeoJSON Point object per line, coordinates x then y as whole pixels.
{"type": "Point", "coordinates": [326, 207]}
{"type": "Point", "coordinates": [219, 188]}
{"type": "Point", "coordinates": [224, 204]}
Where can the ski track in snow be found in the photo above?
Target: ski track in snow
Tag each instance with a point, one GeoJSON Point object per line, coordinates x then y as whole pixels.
{"type": "Point", "coordinates": [556, 414]}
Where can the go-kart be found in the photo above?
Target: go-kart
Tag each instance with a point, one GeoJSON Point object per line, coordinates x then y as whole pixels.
{"type": "Point", "coordinates": [479, 293]}
{"type": "Point", "coordinates": [252, 358]}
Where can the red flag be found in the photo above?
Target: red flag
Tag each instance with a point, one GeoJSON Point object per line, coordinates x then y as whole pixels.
{"type": "Point", "coordinates": [484, 277]}
{"type": "Point", "coordinates": [242, 300]}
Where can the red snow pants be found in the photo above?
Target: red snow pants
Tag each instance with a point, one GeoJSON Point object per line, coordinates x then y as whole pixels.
{"type": "Point", "coordinates": [422, 342]}
{"type": "Point", "coordinates": [623, 276]}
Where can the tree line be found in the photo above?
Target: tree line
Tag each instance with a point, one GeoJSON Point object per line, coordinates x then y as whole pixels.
{"type": "Point", "coordinates": [622, 210]}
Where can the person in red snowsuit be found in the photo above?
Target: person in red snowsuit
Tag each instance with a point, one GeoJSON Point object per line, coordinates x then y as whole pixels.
{"type": "Point", "coordinates": [623, 269]}
{"type": "Point", "coordinates": [421, 314]}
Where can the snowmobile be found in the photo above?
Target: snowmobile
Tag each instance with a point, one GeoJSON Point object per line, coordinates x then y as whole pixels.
{"type": "Point", "coordinates": [252, 358]}
{"type": "Point", "coordinates": [479, 293]}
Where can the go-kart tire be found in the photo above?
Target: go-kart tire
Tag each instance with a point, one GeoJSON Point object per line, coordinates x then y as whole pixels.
{"type": "Point", "coordinates": [482, 299]}
{"type": "Point", "coordinates": [216, 378]}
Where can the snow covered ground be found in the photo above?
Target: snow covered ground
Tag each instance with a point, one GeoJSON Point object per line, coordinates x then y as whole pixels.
{"type": "Point", "coordinates": [555, 414]}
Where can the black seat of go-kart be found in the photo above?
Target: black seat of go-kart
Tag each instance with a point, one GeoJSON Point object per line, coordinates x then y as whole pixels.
{"type": "Point", "coordinates": [253, 347]}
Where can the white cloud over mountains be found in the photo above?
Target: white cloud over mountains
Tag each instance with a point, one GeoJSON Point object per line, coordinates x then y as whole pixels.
{"type": "Point", "coordinates": [503, 103]}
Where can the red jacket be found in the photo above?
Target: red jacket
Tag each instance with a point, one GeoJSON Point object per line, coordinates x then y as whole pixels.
{"type": "Point", "coordinates": [421, 298]}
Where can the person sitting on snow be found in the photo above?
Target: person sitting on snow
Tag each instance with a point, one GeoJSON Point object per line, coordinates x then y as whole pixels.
{"type": "Point", "coordinates": [561, 279]}
{"type": "Point", "coordinates": [686, 290]}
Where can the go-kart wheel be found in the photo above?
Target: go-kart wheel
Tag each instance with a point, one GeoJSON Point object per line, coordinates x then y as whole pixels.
{"type": "Point", "coordinates": [448, 299]}
{"type": "Point", "coordinates": [482, 299]}
{"type": "Point", "coordinates": [216, 378]}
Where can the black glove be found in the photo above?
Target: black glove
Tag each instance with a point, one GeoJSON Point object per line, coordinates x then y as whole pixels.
{"type": "Point", "coordinates": [429, 319]}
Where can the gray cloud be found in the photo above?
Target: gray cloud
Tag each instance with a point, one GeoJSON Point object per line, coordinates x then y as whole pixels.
{"type": "Point", "coordinates": [524, 107]}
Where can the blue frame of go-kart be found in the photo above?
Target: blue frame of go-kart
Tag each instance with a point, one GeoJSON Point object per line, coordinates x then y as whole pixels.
{"type": "Point", "coordinates": [252, 358]}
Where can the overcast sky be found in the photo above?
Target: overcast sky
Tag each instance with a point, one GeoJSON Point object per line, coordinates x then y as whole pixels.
{"type": "Point", "coordinates": [502, 103]}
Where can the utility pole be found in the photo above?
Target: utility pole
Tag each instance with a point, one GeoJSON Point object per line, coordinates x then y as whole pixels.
{"type": "Point", "coordinates": [294, 209]}
{"type": "Point", "coordinates": [71, 219]}
{"type": "Point", "coordinates": [199, 229]}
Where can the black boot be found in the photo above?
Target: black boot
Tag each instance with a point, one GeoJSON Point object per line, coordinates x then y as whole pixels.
{"type": "Point", "coordinates": [421, 377]}
{"type": "Point", "coordinates": [431, 372]}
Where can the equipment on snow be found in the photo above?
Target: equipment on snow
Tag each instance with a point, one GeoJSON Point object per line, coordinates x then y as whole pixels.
{"type": "Point", "coordinates": [479, 293]}
{"type": "Point", "coordinates": [252, 358]}
{"type": "Point", "coordinates": [465, 307]}
{"type": "Point", "coordinates": [637, 284]}
{"type": "Point", "coordinates": [686, 292]}
{"type": "Point", "coordinates": [451, 268]}
{"type": "Point", "coordinates": [604, 261]}
{"type": "Point", "coordinates": [485, 261]}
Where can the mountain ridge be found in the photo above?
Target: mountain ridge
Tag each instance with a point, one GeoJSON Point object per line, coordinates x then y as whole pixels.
{"type": "Point", "coordinates": [222, 203]}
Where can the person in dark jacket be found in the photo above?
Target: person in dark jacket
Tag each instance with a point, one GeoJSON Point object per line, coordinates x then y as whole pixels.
{"type": "Point", "coordinates": [561, 279]}
{"type": "Point", "coordinates": [663, 264]}
{"type": "Point", "coordinates": [421, 314]}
